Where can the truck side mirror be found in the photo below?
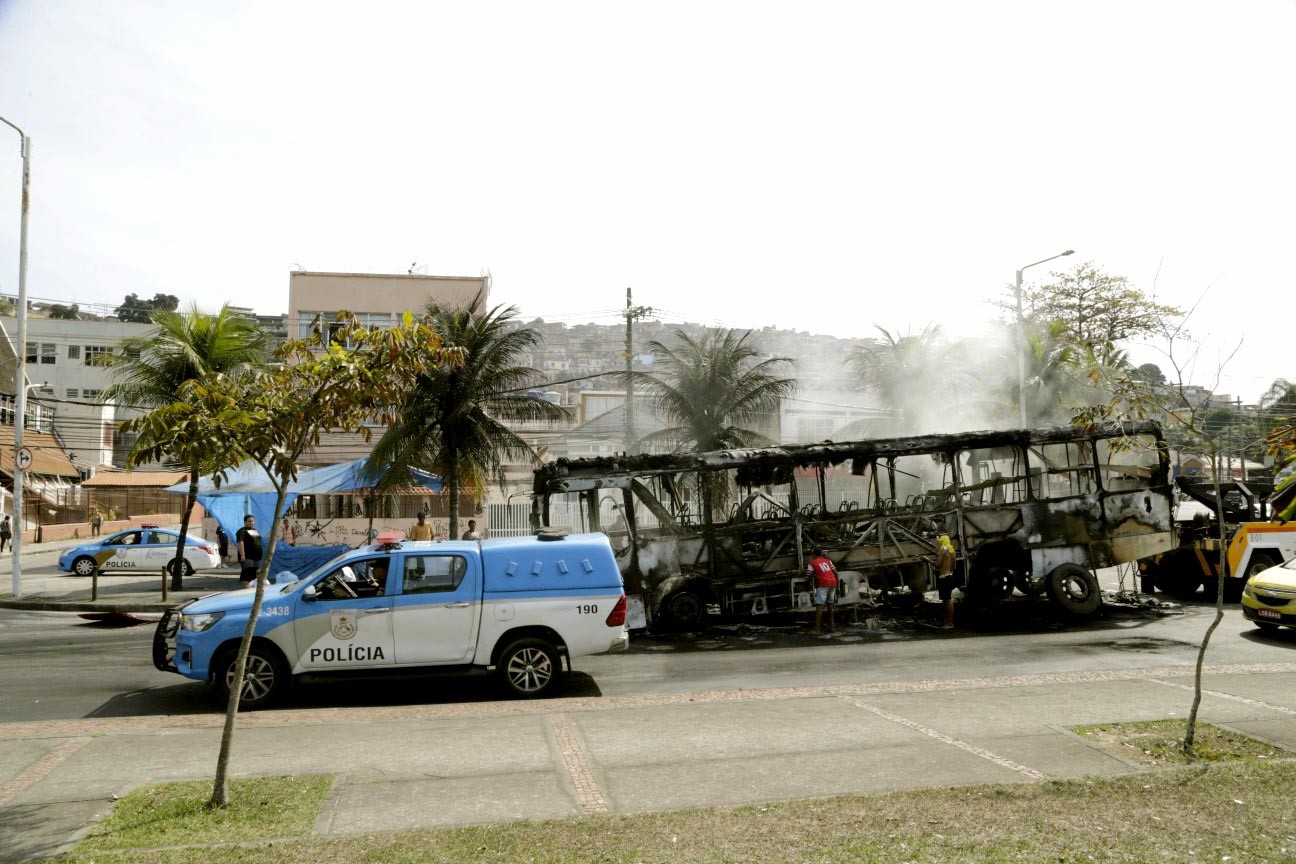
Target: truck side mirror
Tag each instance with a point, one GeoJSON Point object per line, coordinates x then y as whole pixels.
{"type": "Point", "coordinates": [308, 594]}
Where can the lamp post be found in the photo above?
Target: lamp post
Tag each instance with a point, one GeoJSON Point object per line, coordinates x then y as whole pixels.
{"type": "Point", "coordinates": [20, 377]}
{"type": "Point", "coordinates": [1021, 336]}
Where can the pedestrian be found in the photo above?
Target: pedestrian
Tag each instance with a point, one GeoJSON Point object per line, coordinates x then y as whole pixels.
{"type": "Point", "coordinates": [944, 562]}
{"type": "Point", "coordinates": [288, 535]}
{"type": "Point", "coordinates": [824, 574]}
{"type": "Point", "coordinates": [249, 551]}
{"type": "Point", "coordinates": [6, 534]}
{"type": "Point", "coordinates": [96, 524]}
{"type": "Point", "coordinates": [222, 543]}
{"type": "Point", "coordinates": [421, 530]}
{"type": "Point", "coordinates": [471, 533]}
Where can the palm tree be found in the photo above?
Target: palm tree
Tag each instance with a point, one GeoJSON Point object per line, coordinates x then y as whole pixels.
{"type": "Point", "coordinates": [148, 371]}
{"type": "Point", "coordinates": [1052, 375]}
{"type": "Point", "coordinates": [917, 377]}
{"type": "Point", "coordinates": [452, 421]}
{"type": "Point", "coordinates": [710, 385]}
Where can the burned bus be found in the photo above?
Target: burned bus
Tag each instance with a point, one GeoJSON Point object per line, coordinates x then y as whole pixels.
{"type": "Point", "coordinates": [1032, 511]}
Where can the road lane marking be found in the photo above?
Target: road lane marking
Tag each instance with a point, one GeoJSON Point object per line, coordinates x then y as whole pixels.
{"type": "Point", "coordinates": [40, 769]}
{"type": "Point", "coordinates": [948, 739]}
{"type": "Point", "coordinates": [578, 767]}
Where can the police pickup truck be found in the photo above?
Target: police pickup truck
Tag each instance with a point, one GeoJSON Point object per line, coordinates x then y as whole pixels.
{"type": "Point", "coordinates": [517, 606]}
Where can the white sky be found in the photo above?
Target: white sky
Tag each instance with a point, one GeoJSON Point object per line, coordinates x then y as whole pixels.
{"type": "Point", "coordinates": [818, 166]}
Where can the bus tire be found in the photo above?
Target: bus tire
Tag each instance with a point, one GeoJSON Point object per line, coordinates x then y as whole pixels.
{"type": "Point", "coordinates": [685, 610]}
{"type": "Point", "coordinates": [1074, 589]}
{"type": "Point", "coordinates": [991, 585]}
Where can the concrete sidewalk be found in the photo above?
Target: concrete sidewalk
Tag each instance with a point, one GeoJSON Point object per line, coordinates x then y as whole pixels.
{"type": "Point", "coordinates": [427, 766]}
{"type": "Point", "coordinates": [117, 591]}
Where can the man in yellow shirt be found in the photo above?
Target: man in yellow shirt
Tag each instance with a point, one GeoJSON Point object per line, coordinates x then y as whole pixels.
{"type": "Point", "coordinates": [420, 530]}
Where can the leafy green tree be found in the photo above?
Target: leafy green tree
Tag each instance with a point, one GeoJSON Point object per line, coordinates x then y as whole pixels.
{"type": "Point", "coordinates": [58, 311]}
{"type": "Point", "coordinates": [138, 311]}
{"type": "Point", "coordinates": [273, 415]}
{"type": "Point", "coordinates": [149, 371]}
{"type": "Point", "coordinates": [451, 421]}
{"type": "Point", "coordinates": [1053, 376]}
{"type": "Point", "coordinates": [1097, 309]}
{"type": "Point", "coordinates": [712, 388]}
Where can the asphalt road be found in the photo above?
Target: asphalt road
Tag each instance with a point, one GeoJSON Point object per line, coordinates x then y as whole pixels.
{"type": "Point", "coordinates": [57, 666]}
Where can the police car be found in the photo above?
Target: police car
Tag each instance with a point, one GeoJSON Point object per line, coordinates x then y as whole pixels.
{"type": "Point", "coordinates": [517, 606]}
{"type": "Point", "coordinates": [145, 548]}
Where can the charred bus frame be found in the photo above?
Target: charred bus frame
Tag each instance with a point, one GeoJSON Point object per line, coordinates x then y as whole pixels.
{"type": "Point", "coordinates": [1034, 510]}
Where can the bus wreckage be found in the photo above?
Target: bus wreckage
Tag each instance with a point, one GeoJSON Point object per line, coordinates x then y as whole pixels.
{"type": "Point", "coordinates": [1032, 511]}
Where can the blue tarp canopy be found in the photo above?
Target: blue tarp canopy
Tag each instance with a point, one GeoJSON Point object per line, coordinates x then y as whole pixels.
{"type": "Point", "coordinates": [247, 490]}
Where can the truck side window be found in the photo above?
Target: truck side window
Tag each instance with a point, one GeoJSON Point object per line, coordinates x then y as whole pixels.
{"type": "Point", "coordinates": [432, 574]}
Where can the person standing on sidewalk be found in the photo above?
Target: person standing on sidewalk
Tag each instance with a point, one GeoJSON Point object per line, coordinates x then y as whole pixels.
{"type": "Point", "coordinates": [421, 530]}
{"type": "Point", "coordinates": [222, 543]}
{"type": "Point", "coordinates": [6, 533]}
{"type": "Point", "coordinates": [824, 573]}
{"type": "Point", "coordinates": [96, 524]}
{"type": "Point", "coordinates": [249, 551]}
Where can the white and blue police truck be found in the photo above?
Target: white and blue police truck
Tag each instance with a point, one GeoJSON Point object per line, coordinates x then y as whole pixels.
{"type": "Point", "coordinates": [517, 606]}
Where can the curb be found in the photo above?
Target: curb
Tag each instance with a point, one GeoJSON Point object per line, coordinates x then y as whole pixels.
{"type": "Point", "coordinates": [39, 604]}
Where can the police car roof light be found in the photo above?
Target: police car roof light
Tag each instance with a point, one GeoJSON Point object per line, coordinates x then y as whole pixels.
{"type": "Point", "coordinates": [389, 540]}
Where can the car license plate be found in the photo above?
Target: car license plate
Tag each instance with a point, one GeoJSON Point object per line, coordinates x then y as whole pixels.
{"type": "Point", "coordinates": [1269, 613]}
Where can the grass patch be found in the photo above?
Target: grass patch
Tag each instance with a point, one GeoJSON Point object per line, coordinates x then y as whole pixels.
{"type": "Point", "coordinates": [1240, 810]}
{"type": "Point", "coordinates": [169, 814]}
{"type": "Point", "coordinates": [1158, 743]}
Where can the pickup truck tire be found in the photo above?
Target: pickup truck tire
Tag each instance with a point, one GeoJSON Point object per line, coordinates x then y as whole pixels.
{"type": "Point", "coordinates": [84, 566]}
{"type": "Point", "coordinates": [1075, 589]}
{"type": "Point", "coordinates": [1179, 574]}
{"type": "Point", "coordinates": [530, 668]}
{"type": "Point", "coordinates": [264, 680]}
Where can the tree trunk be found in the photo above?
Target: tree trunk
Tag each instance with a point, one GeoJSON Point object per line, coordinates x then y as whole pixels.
{"type": "Point", "coordinates": [1190, 733]}
{"type": "Point", "coordinates": [220, 788]}
{"type": "Point", "coordinates": [452, 492]}
{"type": "Point", "coordinates": [177, 566]}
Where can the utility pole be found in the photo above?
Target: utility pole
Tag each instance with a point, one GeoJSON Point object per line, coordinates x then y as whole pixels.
{"type": "Point", "coordinates": [631, 313]}
{"type": "Point", "coordinates": [20, 377]}
{"type": "Point", "coordinates": [1241, 436]}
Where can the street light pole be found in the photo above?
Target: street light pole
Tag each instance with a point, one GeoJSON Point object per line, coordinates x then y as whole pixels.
{"type": "Point", "coordinates": [1021, 338]}
{"type": "Point", "coordinates": [20, 377]}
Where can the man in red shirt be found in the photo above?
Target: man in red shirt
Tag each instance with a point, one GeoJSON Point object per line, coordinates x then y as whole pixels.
{"type": "Point", "coordinates": [825, 578]}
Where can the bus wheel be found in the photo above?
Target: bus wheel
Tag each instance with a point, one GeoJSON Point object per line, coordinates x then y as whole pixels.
{"type": "Point", "coordinates": [684, 610]}
{"type": "Point", "coordinates": [1027, 584]}
{"type": "Point", "coordinates": [1074, 589]}
{"type": "Point", "coordinates": [991, 585]}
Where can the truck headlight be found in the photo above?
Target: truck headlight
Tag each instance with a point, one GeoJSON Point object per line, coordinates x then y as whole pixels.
{"type": "Point", "coordinates": [201, 622]}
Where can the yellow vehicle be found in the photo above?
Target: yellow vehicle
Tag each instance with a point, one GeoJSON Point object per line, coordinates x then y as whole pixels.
{"type": "Point", "coordinates": [1254, 544]}
{"type": "Point", "coordinates": [1269, 598]}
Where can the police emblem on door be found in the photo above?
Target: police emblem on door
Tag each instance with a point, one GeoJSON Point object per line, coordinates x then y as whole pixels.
{"type": "Point", "coordinates": [342, 623]}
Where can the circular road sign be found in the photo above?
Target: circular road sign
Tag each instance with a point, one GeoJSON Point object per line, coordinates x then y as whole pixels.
{"type": "Point", "coordinates": [23, 458]}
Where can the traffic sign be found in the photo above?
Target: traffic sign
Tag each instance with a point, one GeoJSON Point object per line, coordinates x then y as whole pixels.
{"type": "Point", "coordinates": [23, 458]}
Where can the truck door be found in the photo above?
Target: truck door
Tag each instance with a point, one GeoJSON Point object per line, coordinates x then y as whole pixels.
{"type": "Point", "coordinates": [348, 623]}
{"type": "Point", "coordinates": [438, 607]}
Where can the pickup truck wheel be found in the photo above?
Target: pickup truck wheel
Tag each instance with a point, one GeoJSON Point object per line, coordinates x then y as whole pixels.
{"type": "Point", "coordinates": [84, 566]}
{"type": "Point", "coordinates": [530, 668]}
{"type": "Point", "coordinates": [1075, 589]}
{"type": "Point", "coordinates": [264, 680]}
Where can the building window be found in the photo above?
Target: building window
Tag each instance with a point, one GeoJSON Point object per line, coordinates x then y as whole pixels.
{"type": "Point", "coordinates": [94, 394]}
{"type": "Point", "coordinates": [49, 353]}
{"type": "Point", "coordinates": [74, 353]}
{"type": "Point", "coordinates": [72, 393]}
{"type": "Point", "coordinates": [95, 355]}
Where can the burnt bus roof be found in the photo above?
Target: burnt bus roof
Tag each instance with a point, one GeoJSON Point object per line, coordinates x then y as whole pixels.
{"type": "Point", "coordinates": [550, 477]}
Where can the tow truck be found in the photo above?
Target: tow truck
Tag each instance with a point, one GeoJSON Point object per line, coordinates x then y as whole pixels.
{"type": "Point", "coordinates": [1253, 541]}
